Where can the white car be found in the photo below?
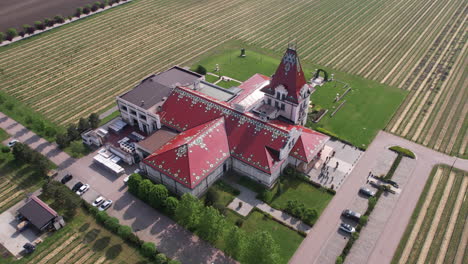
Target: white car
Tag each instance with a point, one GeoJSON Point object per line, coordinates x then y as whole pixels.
{"type": "Point", "coordinates": [105, 205]}
{"type": "Point", "coordinates": [12, 143]}
{"type": "Point", "coordinates": [82, 189]}
{"type": "Point", "coordinates": [98, 201]}
{"type": "Point", "coordinates": [125, 180]}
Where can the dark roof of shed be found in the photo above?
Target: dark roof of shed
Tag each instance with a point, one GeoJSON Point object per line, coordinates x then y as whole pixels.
{"type": "Point", "coordinates": [153, 89]}
{"type": "Point", "coordinates": [37, 212]}
{"type": "Point", "coordinates": [157, 139]}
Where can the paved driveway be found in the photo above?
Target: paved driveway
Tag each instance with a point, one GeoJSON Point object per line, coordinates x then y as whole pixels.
{"type": "Point", "coordinates": [387, 242]}
{"type": "Point", "coordinates": [151, 225]}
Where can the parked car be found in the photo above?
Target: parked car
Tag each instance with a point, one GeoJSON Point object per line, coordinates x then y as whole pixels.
{"type": "Point", "coordinates": [351, 215]}
{"type": "Point", "coordinates": [12, 143]}
{"type": "Point", "coordinates": [66, 178]}
{"type": "Point", "coordinates": [347, 228]}
{"type": "Point", "coordinates": [98, 201]}
{"type": "Point", "coordinates": [82, 189]}
{"type": "Point", "coordinates": [366, 192]}
{"type": "Point", "coordinates": [125, 180]}
{"type": "Point", "coordinates": [77, 186]}
{"type": "Point", "coordinates": [29, 248]}
{"type": "Point", "coordinates": [105, 205]}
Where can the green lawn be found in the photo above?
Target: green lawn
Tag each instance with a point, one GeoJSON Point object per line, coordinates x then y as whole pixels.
{"type": "Point", "coordinates": [224, 196]}
{"type": "Point", "coordinates": [369, 105]}
{"type": "Point", "coordinates": [109, 117]}
{"type": "Point", "coordinates": [287, 239]}
{"type": "Point", "coordinates": [3, 135]}
{"type": "Point", "coordinates": [294, 189]}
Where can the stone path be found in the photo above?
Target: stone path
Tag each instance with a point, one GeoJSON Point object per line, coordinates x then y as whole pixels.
{"type": "Point", "coordinates": [249, 202]}
{"type": "Point", "coordinates": [108, 112]}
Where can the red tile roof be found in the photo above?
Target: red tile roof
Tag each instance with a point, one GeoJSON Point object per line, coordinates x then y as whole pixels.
{"type": "Point", "coordinates": [192, 155]}
{"type": "Point", "coordinates": [308, 145]}
{"type": "Point", "coordinates": [251, 85]}
{"type": "Point", "coordinates": [248, 136]}
{"type": "Point", "coordinates": [289, 74]}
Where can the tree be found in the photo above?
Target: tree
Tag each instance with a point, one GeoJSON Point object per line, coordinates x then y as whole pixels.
{"type": "Point", "coordinates": [148, 249]}
{"type": "Point", "coordinates": [201, 70]}
{"type": "Point", "coordinates": [363, 220]}
{"type": "Point", "coordinates": [39, 25]}
{"type": "Point", "coordinates": [144, 190]}
{"type": "Point", "coordinates": [83, 125]}
{"type": "Point", "coordinates": [236, 242]}
{"type": "Point", "coordinates": [212, 226]}
{"type": "Point", "coordinates": [59, 19]}
{"type": "Point", "coordinates": [266, 196]}
{"type": "Point", "coordinates": [49, 22]}
{"type": "Point", "coordinates": [79, 12]}
{"type": "Point", "coordinates": [112, 224]}
{"type": "Point", "coordinates": [124, 231]}
{"type": "Point", "coordinates": [102, 216]}
{"type": "Point", "coordinates": [87, 9]}
{"type": "Point", "coordinates": [28, 29]}
{"type": "Point", "coordinates": [62, 140]}
{"type": "Point", "coordinates": [72, 132]}
{"type": "Point", "coordinates": [158, 195]}
{"type": "Point", "coordinates": [11, 33]}
{"type": "Point", "coordinates": [339, 260]}
{"type": "Point", "coordinates": [161, 259]}
{"type": "Point", "coordinates": [211, 197]}
{"type": "Point", "coordinates": [310, 215]}
{"type": "Point", "coordinates": [188, 212]}
{"type": "Point", "coordinates": [134, 183]}
{"type": "Point", "coordinates": [94, 120]}
{"type": "Point", "coordinates": [171, 204]}
{"type": "Point", "coordinates": [42, 166]}
{"type": "Point", "coordinates": [262, 249]}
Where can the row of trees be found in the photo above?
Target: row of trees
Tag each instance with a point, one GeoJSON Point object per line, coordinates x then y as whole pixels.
{"type": "Point", "coordinates": [59, 19]}
{"type": "Point", "coordinates": [207, 222]}
{"type": "Point", "coordinates": [23, 153]}
{"type": "Point", "coordinates": [74, 130]}
{"type": "Point", "coordinates": [299, 210]}
{"type": "Point", "coordinates": [64, 200]}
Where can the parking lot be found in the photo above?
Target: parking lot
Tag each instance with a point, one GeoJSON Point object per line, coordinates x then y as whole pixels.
{"type": "Point", "coordinates": [337, 241]}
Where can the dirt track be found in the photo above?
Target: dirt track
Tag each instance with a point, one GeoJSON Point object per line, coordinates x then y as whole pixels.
{"type": "Point", "coordinates": [14, 13]}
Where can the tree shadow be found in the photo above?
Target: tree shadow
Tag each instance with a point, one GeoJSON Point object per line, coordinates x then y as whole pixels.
{"type": "Point", "coordinates": [91, 235]}
{"type": "Point", "coordinates": [114, 251]}
{"type": "Point", "coordinates": [84, 227]}
{"type": "Point", "coordinates": [101, 244]}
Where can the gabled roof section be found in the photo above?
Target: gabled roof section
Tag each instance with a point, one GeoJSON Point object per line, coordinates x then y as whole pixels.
{"type": "Point", "coordinates": [254, 83]}
{"type": "Point", "coordinates": [192, 155]}
{"type": "Point", "coordinates": [310, 142]}
{"type": "Point", "coordinates": [247, 135]}
{"type": "Point", "coordinates": [290, 75]}
{"type": "Point", "coordinates": [37, 212]}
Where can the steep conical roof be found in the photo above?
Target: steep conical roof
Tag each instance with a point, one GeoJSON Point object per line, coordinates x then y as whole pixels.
{"type": "Point", "coordinates": [289, 74]}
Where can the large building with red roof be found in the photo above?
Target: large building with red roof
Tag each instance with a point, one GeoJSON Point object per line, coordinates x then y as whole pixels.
{"type": "Point", "coordinates": [199, 131]}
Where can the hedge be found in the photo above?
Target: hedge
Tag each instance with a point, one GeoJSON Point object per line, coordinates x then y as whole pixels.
{"type": "Point", "coordinates": [403, 151]}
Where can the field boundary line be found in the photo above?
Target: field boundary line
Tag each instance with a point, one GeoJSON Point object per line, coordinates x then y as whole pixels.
{"type": "Point", "coordinates": [436, 219]}
{"type": "Point", "coordinates": [458, 126]}
{"type": "Point", "coordinates": [462, 245]}
{"type": "Point", "coordinates": [453, 220]}
{"type": "Point", "coordinates": [417, 225]}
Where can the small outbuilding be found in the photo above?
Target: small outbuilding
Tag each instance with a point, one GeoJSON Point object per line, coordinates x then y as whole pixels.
{"type": "Point", "coordinates": [38, 213]}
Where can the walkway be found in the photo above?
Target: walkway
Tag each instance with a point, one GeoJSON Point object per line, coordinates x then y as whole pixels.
{"type": "Point", "coordinates": [249, 201]}
{"type": "Point", "coordinates": [170, 238]}
{"type": "Point", "coordinates": [108, 112]}
{"type": "Point", "coordinates": [388, 241]}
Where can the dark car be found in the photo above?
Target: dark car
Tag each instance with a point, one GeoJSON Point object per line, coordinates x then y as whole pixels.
{"type": "Point", "coordinates": [366, 192]}
{"type": "Point", "coordinates": [29, 248]}
{"type": "Point", "coordinates": [77, 186]}
{"type": "Point", "coordinates": [351, 215]}
{"type": "Point", "coordinates": [347, 228]}
{"type": "Point", "coordinates": [66, 178]}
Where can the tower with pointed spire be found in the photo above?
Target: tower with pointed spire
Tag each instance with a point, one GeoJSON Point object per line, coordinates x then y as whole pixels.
{"type": "Point", "coordinates": [288, 90]}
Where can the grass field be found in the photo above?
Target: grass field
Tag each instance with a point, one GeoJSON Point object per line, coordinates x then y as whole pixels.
{"type": "Point", "coordinates": [16, 181]}
{"type": "Point", "coordinates": [438, 230]}
{"type": "Point", "coordinates": [82, 240]}
{"type": "Point", "coordinates": [3, 135]}
{"type": "Point", "coordinates": [417, 45]}
{"type": "Point", "coordinates": [288, 240]}
{"type": "Point", "coordinates": [368, 108]}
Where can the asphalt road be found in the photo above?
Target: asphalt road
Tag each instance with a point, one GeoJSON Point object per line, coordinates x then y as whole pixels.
{"type": "Point", "coordinates": [383, 250]}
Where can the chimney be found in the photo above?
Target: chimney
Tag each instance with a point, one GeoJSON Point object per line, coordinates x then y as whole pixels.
{"type": "Point", "coordinates": [142, 103]}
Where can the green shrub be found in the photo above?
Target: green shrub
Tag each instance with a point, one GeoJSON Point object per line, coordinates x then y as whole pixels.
{"type": "Point", "coordinates": [266, 196]}
{"type": "Point", "coordinates": [10, 34]}
{"type": "Point", "coordinates": [5, 149]}
{"type": "Point", "coordinates": [239, 222]}
{"type": "Point", "coordinates": [102, 216]}
{"type": "Point", "coordinates": [39, 25]}
{"type": "Point", "coordinates": [160, 259]}
{"type": "Point", "coordinates": [79, 12]}
{"type": "Point", "coordinates": [148, 249]}
{"type": "Point", "coordinates": [28, 29]}
{"type": "Point", "coordinates": [363, 220]}
{"type": "Point", "coordinates": [201, 70]}
{"type": "Point", "coordinates": [59, 19]}
{"type": "Point", "coordinates": [339, 260]}
{"type": "Point", "coordinates": [403, 151]}
{"type": "Point", "coordinates": [124, 232]}
{"type": "Point", "coordinates": [2, 37]}
{"type": "Point", "coordinates": [371, 204]}
{"type": "Point", "coordinates": [171, 205]}
{"type": "Point", "coordinates": [112, 224]}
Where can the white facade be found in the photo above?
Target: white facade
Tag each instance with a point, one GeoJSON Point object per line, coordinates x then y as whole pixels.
{"type": "Point", "coordinates": [297, 113]}
{"type": "Point", "coordinates": [146, 119]}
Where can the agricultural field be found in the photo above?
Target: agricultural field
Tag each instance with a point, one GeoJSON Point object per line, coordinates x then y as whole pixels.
{"type": "Point", "coordinates": [368, 108]}
{"type": "Point", "coordinates": [16, 181]}
{"type": "Point", "coordinates": [82, 241]}
{"type": "Point", "coordinates": [416, 45]}
{"type": "Point", "coordinates": [438, 230]}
